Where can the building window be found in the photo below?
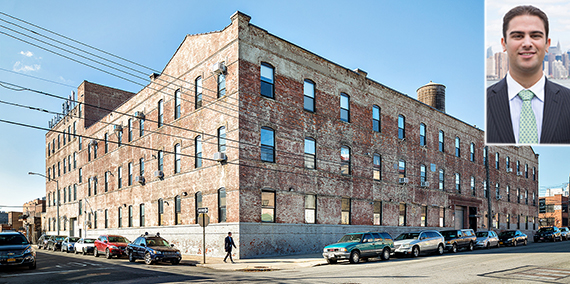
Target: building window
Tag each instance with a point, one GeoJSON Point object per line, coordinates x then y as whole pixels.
{"type": "Point", "coordinates": [519, 168]}
{"type": "Point", "coordinates": [177, 158]}
{"type": "Point", "coordinates": [377, 169]}
{"type": "Point", "coordinates": [268, 206]}
{"type": "Point", "coordinates": [119, 138]}
{"type": "Point", "coordinates": [472, 152]}
{"type": "Point", "coordinates": [377, 213]}
{"type": "Point", "coordinates": [457, 147]}
{"type": "Point", "coordinates": [64, 165]}
{"type": "Point", "coordinates": [221, 205]}
{"type": "Point", "coordinates": [422, 134]}
{"type": "Point", "coordinates": [95, 220]}
{"type": "Point", "coordinates": [160, 160]}
{"type": "Point", "coordinates": [344, 107]}
{"type": "Point", "coordinates": [533, 173]}
{"type": "Point", "coordinates": [94, 185]}
{"type": "Point", "coordinates": [497, 190]}
{"type": "Point", "coordinates": [473, 189]}
{"type": "Point", "coordinates": [88, 153]}
{"type": "Point", "coordinates": [120, 217]}
{"type": "Point", "coordinates": [106, 141]}
{"type": "Point", "coordinates": [141, 168]}
{"type": "Point", "coordinates": [119, 177]}
{"type": "Point", "coordinates": [74, 160]}
{"type": "Point", "coordinates": [508, 191]}
{"type": "Point", "coordinates": [130, 177]}
{"type": "Point", "coordinates": [402, 215]}
{"type": "Point", "coordinates": [424, 216]}
{"type": "Point", "coordinates": [345, 211]}
{"type": "Point", "coordinates": [198, 151]}
{"type": "Point", "coordinates": [177, 104]}
{"type": "Point", "coordinates": [267, 72]}
{"type": "Point", "coordinates": [197, 204]}
{"type": "Point", "coordinates": [485, 156]}
{"type": "Point", "coordinates": [376, 118]}
{"type": "Point", "coordinates": [222, 139]}
{"type": "Point", "coordinates": [441, 141]}
{"type": "Point", "coordinates": [309, 95]}
{"type": "Point", "coordinates": [130, 216]}
{"type": "Point", "coordinates": [422, 175]}
{"type": "Point", "coordinates": [221, 85]}
{"type": "Point", "coordinates": [79, 206]}
{"type": "Point", "coordinates": [526, 196]}
{"type": "Point", "coordinates": [401, 127]}
{"type": "Point", "coordinates": [177, 210]}
{"type": "Point", "coordinates": [508, 221]}
{"type": "Point", "coordinates": [310, 208]}
{"type": "Point", "coordinates": [69, 163]}
{"type": "Point", "coordinates": [89, 187]}
{"type": "Point", "coordinates": [141, 127]}
{"type": "Point", "coordinates": [310, 153]}
{"type": "Point", "coordinates": [345, 160]}
{"type": "Point", "coordinates": [75, 192]}
{"type": "Point", "coordinates": [198, 93]}
{"type": "Point", "coordinates": [160, 212]}
{"type": "Point", "coordinates": [267, 145]}
{"type": "Point", "coordinates": [130, 130]}
{"type": "Point", "coordinates": [485, 192]}
{"type": "Point", "coordinates": [442, 216]}
{"type": "Point", "coordinates": [457, 182]}
{"type": "Point", "coordinates": [526, 170]}
{"type": "Point", "coordinates": [508, 163]}
{"type": "Point", "coordinates": [106, 181]}
{"type": "Point", "coordinates": [518, 195]}
{"type": "Point", "coordinates": [64, 140]}
{"type": "Point", "coordinates": [497, 160]}
{"type": "Point", "coordinates": [141, 215]}
{"type": "Point", "coordinates": [441, 179]}
{"type": "Point", "coordinates": [160, 118]}
{"type": "Point", "coordinates": [106, 218]}
{"type": "Point", "coordinates": [401, 168]}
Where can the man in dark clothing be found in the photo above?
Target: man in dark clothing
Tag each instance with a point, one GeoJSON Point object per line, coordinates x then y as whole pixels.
{"type": "Point", "coordinates": [228, 245]}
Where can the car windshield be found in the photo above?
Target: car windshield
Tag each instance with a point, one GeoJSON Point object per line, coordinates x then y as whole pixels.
{"type": "Point", "coordinates": [408, 236]}
{"type": "Point", "coordinates": [59, 238]}
{"type": "Point", "coordinates": [449, 234]}
{"type": "Point", "coordinates": [7, 240]}
{"type": "Point", "coordinates": [482, 234]}
{"type": "Point", "coordinates": [73, 239]}
{"type": "Point", "coordinates": [350, 238]}
{"type": "Point", "coordinates": [507, 234]}
{"type": "Point", "coordinates": [156, 242]}
{"type": "Point", "coordinates": [542, 230]}
{"type": "Point", "coordinates": [118, 239]}
{"type": "Point", "coordinates": [89, 241]}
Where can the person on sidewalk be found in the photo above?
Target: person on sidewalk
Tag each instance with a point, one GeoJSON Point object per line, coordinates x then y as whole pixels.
{"type": "Point", "coordinates": [229, 242]}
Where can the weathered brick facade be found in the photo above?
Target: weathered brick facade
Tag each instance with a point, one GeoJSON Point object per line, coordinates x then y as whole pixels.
{"type": "Point", "coordinates": [242, 47]}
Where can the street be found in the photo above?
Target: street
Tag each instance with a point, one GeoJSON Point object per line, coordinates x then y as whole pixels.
{"type": "Point", "coordinates": [537, 262]}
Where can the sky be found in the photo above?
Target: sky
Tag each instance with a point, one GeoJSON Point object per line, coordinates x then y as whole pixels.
{"type": "Point", "coordinates": [553, 169]}
{"type": "Point", "coordinates": [401, 44]}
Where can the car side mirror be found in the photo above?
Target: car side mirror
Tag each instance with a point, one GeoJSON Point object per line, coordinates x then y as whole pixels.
{"type": "Point", "coordinates": [171, 245]}
{"type": "Point", "coordinates": [104, 241]}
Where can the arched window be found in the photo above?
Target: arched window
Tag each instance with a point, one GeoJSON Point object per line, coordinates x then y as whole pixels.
{"type": "Point", "coordinates": [160, 113]}
{"type": "Point", "coordinates": [177, 210]}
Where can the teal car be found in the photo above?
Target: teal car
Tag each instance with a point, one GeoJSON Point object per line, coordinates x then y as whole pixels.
{"type": "Point", "coordinates": [363, 245]}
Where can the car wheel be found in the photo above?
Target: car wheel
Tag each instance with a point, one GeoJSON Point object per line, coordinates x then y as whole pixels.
{"type": "Point", "coordinates": [498, 244]}
{"type": "Point", "coordinates": [175, 262]}
{"type": "Point", "coordinates": [354, 257]}
{"type": "Point", "coordinates": [515, 243]}
{"type": "Point", "coordinates": [331, 260]}
{"type": "Point", "coordinates": [33, 265]}
{"type": "Point", "coordinates": [415, 251]}
{"type": "Point", "coordinates": [96, 252]}
{"type": "Point", "coordinates": [488, 246]}
{"type": "Point", "coordinates": [54, 249]}
{"type": "Point", "coordinates": [83, 251]}
{"type": "Point", "coordinates": [454, 248]}
{"type": "Point", "coordinates": [131, 257]}
{"type": "Point", "coordinates": [108, 254]}
{"type": "Point", "coordinates": [147, 258]}
{"type": "Point", "coordinates": [470, 246]}
{"type": "Point", "coordinates": [440, 249]}
{"type": "Point", "coordinates": [525, 242]}
{"type": "Point", "coordinates": [385, 254]}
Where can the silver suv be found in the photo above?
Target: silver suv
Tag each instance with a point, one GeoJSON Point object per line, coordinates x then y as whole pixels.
{"type": "Point", "coordinates": [422, 242]}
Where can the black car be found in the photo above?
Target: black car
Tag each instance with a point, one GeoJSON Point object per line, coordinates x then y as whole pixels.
{"type": "Point", "coordinates": [512, 238]}
{"type": "Point", "coordinates": [15, 250]}
{"type": "Point", "coordinates": [153, 248]}
{"type": "Point", "coordinates": [548, 234]}
{"type": "Point", "coordinates": [68, 245]}
{"type": "Point", "coordinates": [54, 242]}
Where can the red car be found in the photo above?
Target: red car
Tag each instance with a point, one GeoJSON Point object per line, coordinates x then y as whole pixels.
{"type": "Point", "coordinates": [111, 245]}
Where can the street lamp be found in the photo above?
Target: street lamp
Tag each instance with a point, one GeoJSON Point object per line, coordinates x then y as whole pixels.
{"type": "Point", "coordinates": [57, 190]}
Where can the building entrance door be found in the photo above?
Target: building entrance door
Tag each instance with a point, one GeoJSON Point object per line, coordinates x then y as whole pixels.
{"type": "Point", "coordinates": [72, 226]}
{"type": "Point", "coordinates": [473, 218]}
{"type": "Point", "coordinates": [459, 210]}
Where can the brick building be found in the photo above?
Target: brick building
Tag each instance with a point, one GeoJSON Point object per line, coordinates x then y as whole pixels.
{"type": "Point", "coordinates": [287, 149]}
{"type": "Point", "coordinates": [14, 222]}
{"type": "Point", "coordinates": [32, 218]}
{"type": "Point", "coordinates": [553, 211]}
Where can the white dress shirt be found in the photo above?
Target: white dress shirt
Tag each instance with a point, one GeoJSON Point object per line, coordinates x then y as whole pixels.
{"type": "Point", "coordinates": [515, 103]}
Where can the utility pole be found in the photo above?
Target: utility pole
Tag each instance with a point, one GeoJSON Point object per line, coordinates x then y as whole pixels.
{"type": "Point", "coordinates": [57, 193]}
{"type": "Point", "coordinates": [487, 190]}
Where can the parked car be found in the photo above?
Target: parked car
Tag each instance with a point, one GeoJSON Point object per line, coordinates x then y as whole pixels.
{"type": "Point", "coordinates": [458, 239]}
{"type": "Point", "coordinates": [42, 241]}
{"type": "Point", "coordinates": [356, 246]}
{"type": "Point", "coordinates": [111, 245]}
{"type": "Point", "coordinates": [54, 242]}
{"type": "Point", "coordinates": [512, 238]}
{"type": "Point", "coordinates": [565, 233]}
{"type": "Point", "coordinates": [422, 242]}
{"type": "Point", "coordinates": [68, 244]}
{"type": "Point", "coordinates": [15, 250]}
{"type": "Point", "coordinates": [548, 234]}
{"type": "Point", "coordinates": [153, 248]}
{"type": "Point", "coordinates": [487, 239]}
{"type": "Point", "coordinates": [84, 246]}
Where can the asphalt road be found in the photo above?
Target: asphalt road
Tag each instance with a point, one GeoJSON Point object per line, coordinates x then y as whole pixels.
{"type": "Point", "coordinates": [535, 263]}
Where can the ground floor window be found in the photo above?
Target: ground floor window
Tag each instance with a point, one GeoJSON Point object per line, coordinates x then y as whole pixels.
{"type": "Point", "coordinates": [268, 206]}
{"type": "Point", "coordinates": [402, 216]}
{"type": "Point", "coordinates": [310, 208]}
{"type": "Point", "coordinates": [424, 216]}
{"type": "Point", "coordinates": [345, 209]}
{"type": "Point", "coordinates": [377, 212]}
{"type": "Point", "coordinates": [442, 216]}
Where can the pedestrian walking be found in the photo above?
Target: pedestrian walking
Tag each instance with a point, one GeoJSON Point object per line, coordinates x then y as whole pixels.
{"type": "Point", "coordinates": [229, 242]}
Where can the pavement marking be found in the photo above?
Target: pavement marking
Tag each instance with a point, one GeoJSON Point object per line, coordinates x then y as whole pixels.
{"type": "Point", "coordinates": [52, 272]}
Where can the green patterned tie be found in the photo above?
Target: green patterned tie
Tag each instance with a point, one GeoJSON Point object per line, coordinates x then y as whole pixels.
{"type": "Point", "coordinates": [528, 133]}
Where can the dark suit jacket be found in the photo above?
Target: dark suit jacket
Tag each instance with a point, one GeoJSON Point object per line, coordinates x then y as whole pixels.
{"type": "Point", "coordinates": [555, 119]}
{"type": "Point", "coordinates": [228, 243]}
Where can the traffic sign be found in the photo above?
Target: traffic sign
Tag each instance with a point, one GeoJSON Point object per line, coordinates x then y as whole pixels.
{"type": "Point", "coordinates": [203, 210]}
{"type": "Point", "coordinates": [203, 219]}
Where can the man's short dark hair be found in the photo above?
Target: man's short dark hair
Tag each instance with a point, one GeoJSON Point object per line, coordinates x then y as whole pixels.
{"type": "Point", "coordinates": [524, 10]}
{"type": "Point", "coordinates": [229, 233]}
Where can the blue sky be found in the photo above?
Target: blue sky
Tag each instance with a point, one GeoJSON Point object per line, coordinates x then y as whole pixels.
{"type": "Point", "coordinates": [401, 44]}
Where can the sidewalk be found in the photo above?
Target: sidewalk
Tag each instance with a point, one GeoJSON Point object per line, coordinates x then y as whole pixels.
{"type": "Point", "coordinates": [288, 262]}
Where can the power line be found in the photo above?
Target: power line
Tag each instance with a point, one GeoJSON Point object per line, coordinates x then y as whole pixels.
{"type": "Point", "coordinates": [38, 78]}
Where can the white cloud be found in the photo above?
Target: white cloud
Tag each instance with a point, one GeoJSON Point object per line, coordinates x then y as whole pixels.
{"type": "Point", "coordinates": [19, 67]}
{"type": "Point", "coordinates": [26, 53]}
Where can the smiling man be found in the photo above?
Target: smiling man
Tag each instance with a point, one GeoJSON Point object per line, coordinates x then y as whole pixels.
{"type": "Point", "coordinates": [525, 107]}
